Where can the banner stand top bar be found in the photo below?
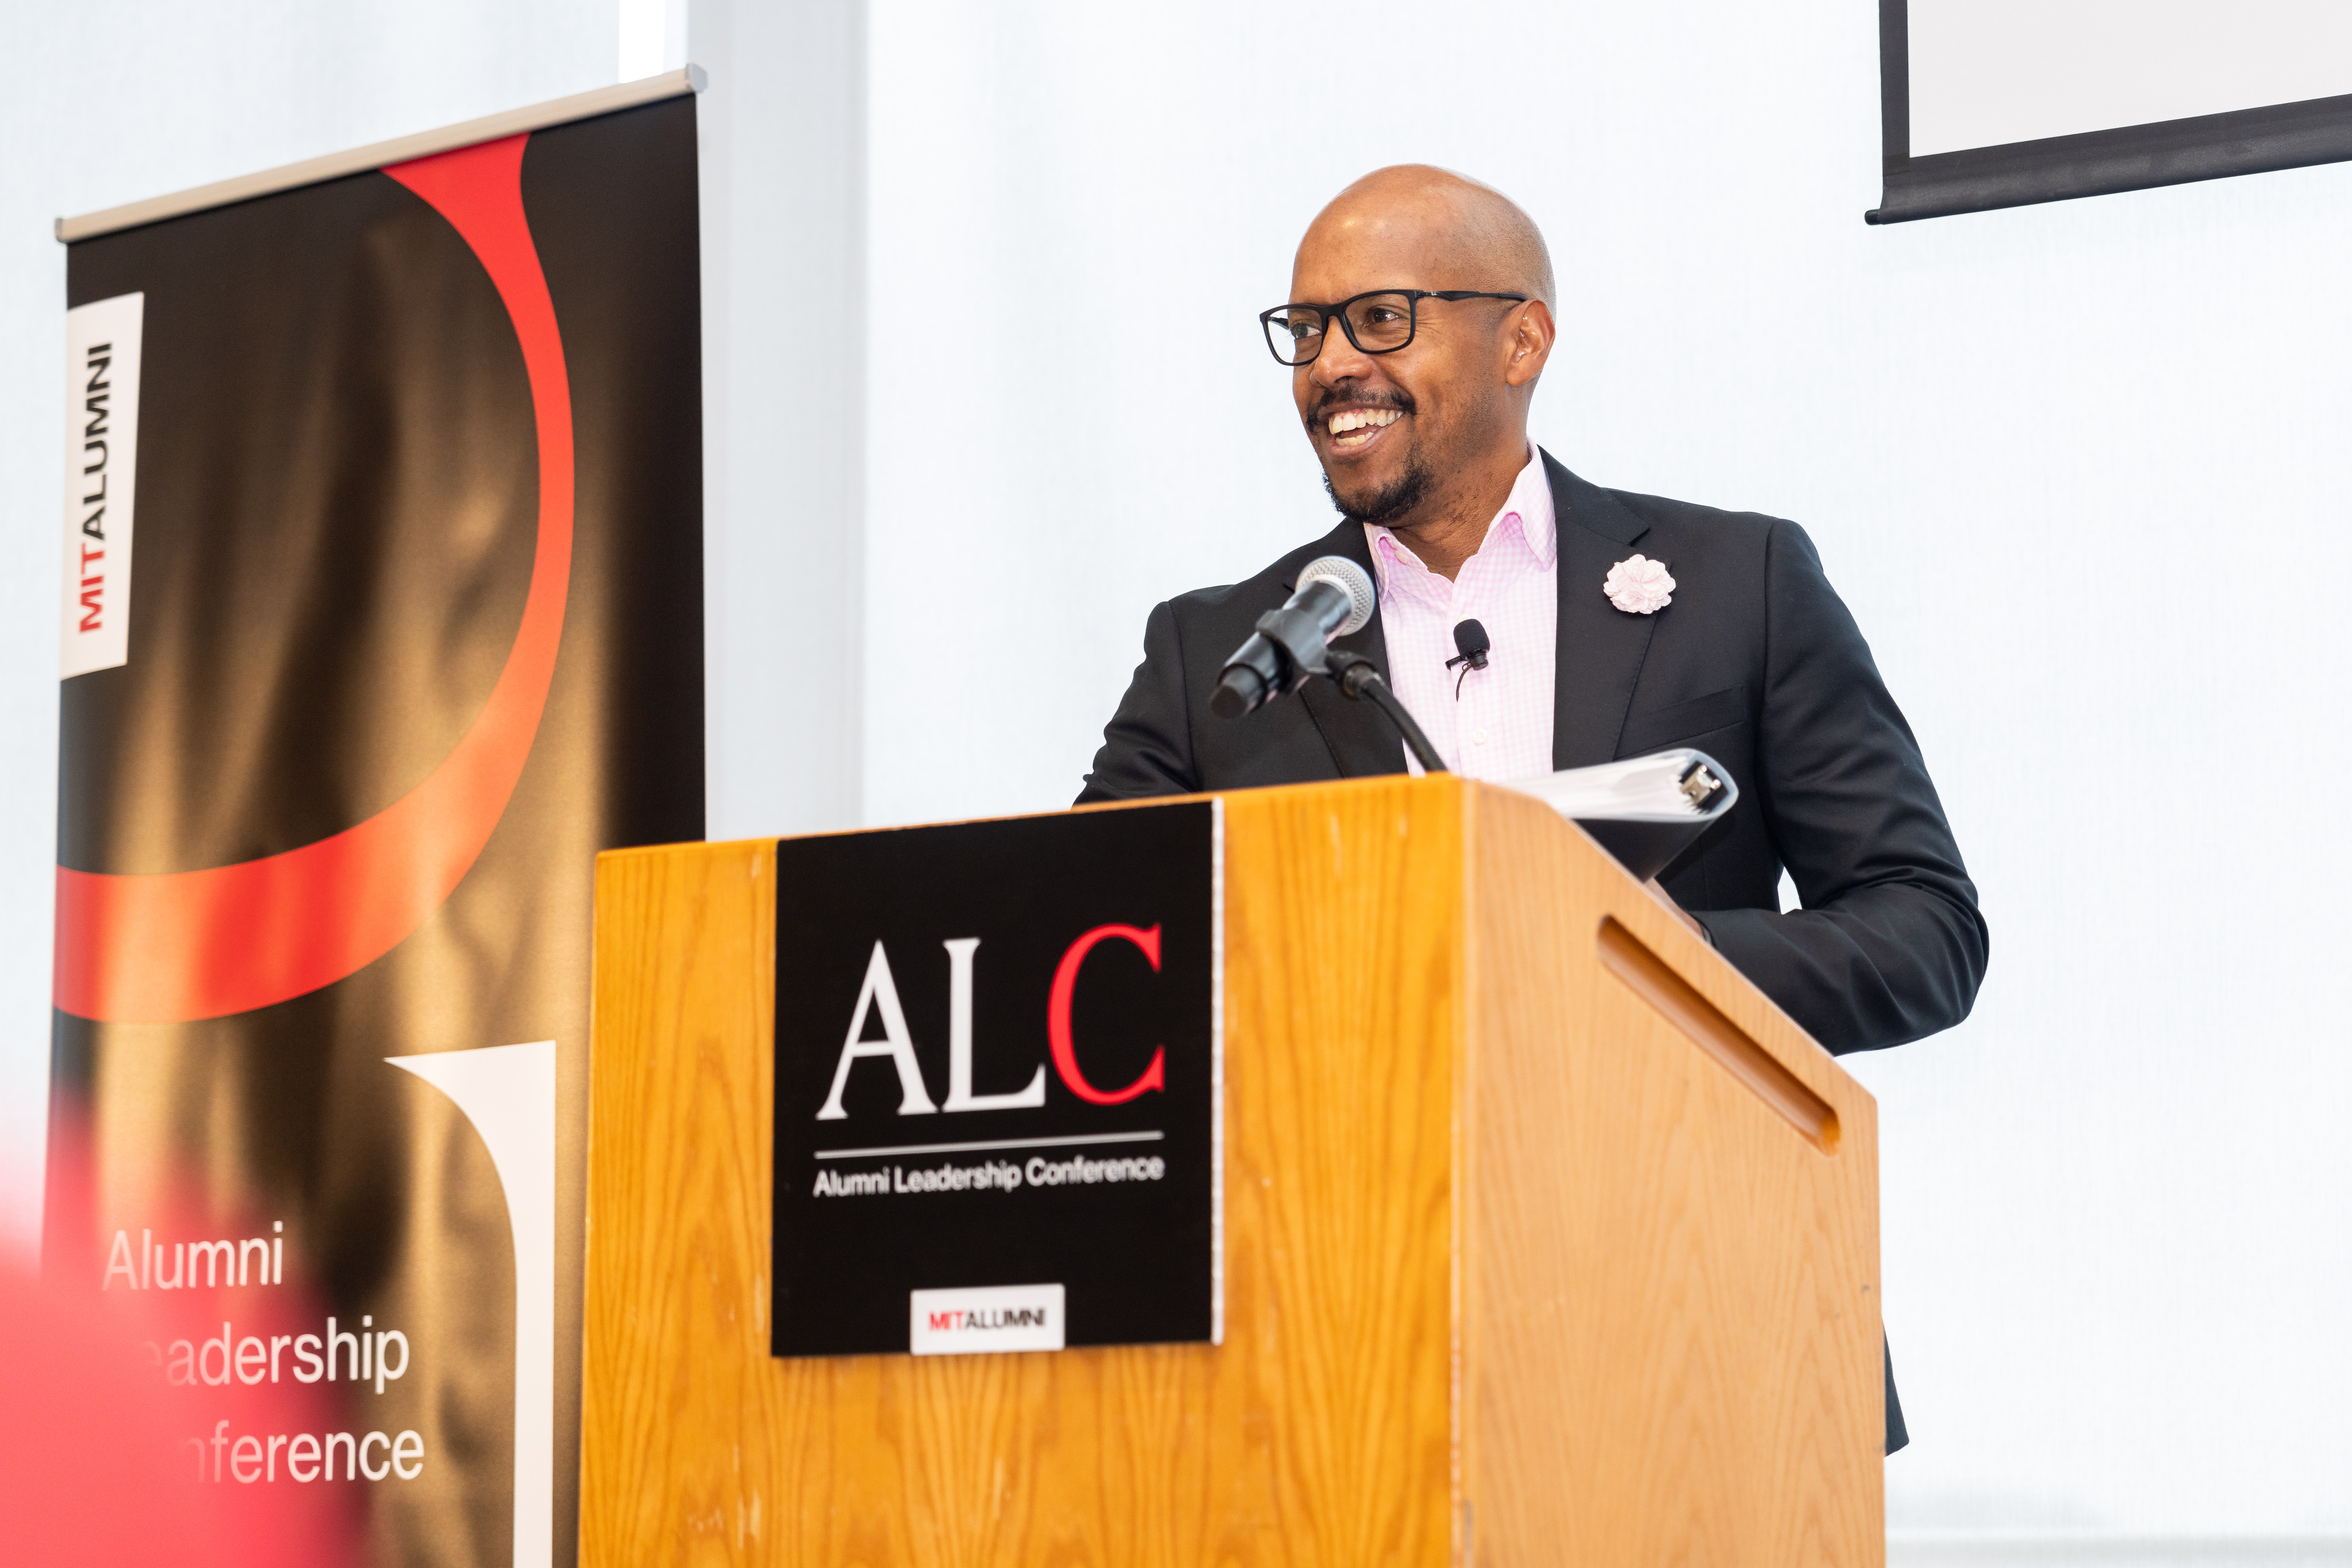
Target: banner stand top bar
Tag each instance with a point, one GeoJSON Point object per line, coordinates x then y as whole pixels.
{"type": "Point", "coordinates": [334, 165]}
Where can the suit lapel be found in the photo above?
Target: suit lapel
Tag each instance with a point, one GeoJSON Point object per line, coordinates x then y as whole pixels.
{"type": "Point", "coordinates": [1360, 740]}
{"type": "Point", "coordinates": [1601, 646]}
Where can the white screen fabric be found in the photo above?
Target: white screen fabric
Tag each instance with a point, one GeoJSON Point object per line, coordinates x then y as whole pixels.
{"type": "Point", "coordinates": [1985, 73]}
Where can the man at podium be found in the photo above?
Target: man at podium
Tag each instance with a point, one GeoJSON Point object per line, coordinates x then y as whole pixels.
{"type": "Point", "coordinates": [1531, 620]}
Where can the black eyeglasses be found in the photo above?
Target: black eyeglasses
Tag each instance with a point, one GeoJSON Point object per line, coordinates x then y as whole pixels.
{"type": "Point", "coordinates": [1380, 323]}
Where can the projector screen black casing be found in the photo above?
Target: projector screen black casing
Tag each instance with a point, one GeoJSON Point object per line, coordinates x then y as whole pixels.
{"type": "Point", "coordinates": [2094, 163]}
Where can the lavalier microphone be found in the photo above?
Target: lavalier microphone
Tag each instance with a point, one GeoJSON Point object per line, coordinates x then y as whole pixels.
{"type": "Point", "coordinates": [1472, 639]}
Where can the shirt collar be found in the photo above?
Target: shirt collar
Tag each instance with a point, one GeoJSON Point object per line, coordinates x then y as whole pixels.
{"type": "Point", "coordinates": [1530, 498]}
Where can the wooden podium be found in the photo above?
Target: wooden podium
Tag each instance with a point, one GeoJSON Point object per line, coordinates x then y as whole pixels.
{"type": "Point", "coordinates": [1548, 1240]}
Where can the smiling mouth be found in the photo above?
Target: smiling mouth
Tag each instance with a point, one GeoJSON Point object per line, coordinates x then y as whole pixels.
{"type": "Point", "coordinates": [1352, 429]}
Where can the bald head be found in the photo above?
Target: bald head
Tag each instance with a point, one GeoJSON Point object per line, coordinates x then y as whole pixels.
{"type": "Point", "coordinates": [1447, 222]}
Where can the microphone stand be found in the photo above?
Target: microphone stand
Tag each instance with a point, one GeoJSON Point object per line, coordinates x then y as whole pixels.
{"type": "Point", "coordinates": [1360, 680]}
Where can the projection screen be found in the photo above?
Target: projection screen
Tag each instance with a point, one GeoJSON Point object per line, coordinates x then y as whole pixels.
{"type": "Point", "coordinates": [2000, 103]}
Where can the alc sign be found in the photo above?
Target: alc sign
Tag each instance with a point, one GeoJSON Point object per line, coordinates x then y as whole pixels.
{"type": "Point", "coordinates": [1096, 1177]}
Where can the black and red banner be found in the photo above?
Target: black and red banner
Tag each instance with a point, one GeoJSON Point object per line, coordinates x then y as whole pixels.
{"type": "Point", "coordinates": [408, 466]}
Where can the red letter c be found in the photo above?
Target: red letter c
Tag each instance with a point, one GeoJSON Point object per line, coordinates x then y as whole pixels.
{"type": "Point", "coordinates": [1057, 1017]}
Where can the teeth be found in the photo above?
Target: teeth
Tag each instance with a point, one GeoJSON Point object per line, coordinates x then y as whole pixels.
{"type": "Point", "coordinates": [1358, 418]}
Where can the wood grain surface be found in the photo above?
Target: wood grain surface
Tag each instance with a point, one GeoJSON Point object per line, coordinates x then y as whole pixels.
{"type": "Point", "coordinates": [1674, 1336]}
{"type": "Point", "coordinates": [1513, 1267]}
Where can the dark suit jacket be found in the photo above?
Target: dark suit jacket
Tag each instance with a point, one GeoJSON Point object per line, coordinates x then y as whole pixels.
{"type": "Point", "coordinates": [1756, 662]}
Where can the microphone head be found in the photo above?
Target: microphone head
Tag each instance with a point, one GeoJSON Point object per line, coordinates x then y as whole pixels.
{"type": "Point", "coordinates": [1349, 579]}
{"type": "Point", "coordinates": [1470, 640]}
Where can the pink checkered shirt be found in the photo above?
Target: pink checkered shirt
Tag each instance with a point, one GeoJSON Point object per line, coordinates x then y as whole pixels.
{"type": "Point", "coordinates": [1500, 726]}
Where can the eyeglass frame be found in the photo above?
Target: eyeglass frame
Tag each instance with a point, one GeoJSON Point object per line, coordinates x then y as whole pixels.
{"type": "Point", "coordinates": [1412, 296]}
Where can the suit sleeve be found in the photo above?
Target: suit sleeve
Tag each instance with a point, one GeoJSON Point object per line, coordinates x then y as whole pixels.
{"type": "Point", "coordinates": [1889, 946]}
{"type": "Point", "coordinates": [1147, 747]}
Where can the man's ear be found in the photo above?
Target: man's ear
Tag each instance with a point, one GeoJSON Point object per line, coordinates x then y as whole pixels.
{"type": "Point", "coordinates": [1530, 336]}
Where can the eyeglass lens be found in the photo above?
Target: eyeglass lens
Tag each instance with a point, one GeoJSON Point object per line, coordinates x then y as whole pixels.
{"type": "Point", "coordinates": [1378, 323]}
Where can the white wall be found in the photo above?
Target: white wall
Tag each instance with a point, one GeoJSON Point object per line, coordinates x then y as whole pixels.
{"type": "Point", "coordinates": [2080, 469]}
{"type": "Point", "coordinates": [784, 279]}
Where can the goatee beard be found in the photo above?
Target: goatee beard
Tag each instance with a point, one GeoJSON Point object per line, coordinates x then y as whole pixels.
{"type": "Point", "coordinates": [1385, 506]}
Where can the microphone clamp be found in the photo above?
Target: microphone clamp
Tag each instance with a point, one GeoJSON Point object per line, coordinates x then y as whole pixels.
{"type": "Point", "coordinates": [1292, 644]}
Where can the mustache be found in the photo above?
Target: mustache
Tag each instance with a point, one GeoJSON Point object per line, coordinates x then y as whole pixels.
{"type": "Point", "coordinates": [1362, 397]}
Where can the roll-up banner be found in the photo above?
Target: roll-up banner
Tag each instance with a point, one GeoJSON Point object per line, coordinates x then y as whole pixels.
{"type": "Point", "coordinates": [382, 615]}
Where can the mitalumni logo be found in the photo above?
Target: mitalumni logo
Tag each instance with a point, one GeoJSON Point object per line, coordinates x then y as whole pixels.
{"type": "Point", "coordinates": [102, 469]}
{"type": "Point", "coordinates": [985, 1319]}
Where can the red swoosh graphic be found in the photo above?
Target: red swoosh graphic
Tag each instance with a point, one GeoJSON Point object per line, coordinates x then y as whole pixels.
{"type": "Point", "coordinates": [183, 945]}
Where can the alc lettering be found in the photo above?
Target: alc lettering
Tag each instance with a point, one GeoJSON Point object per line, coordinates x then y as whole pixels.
{"type": "Point", "coordinates": [879, 995]}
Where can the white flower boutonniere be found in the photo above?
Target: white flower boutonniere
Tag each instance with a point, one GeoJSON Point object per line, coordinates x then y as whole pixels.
{"type": "Point", "coordinates": [1639, 587]}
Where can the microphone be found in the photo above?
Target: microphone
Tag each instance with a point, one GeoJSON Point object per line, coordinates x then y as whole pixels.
{"type": "Point", "coordinates": [1471, 638]}
{"type": "Point", "coordinates": [1334, 598]}
{"type": "Point", "coordinates": [1293, 644]}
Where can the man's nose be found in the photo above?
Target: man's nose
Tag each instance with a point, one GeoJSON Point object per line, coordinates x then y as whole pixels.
{"type": "Point", "coordinates": [1339, 359]}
